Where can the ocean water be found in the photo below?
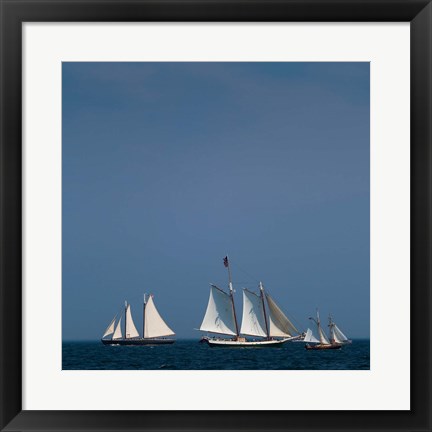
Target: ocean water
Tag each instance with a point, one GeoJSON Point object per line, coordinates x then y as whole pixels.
{"type": "Point", "coordinates": [192, 355]}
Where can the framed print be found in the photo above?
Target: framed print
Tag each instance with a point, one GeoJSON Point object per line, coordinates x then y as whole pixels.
{"type": "Point", "coordinates": [215, 215]}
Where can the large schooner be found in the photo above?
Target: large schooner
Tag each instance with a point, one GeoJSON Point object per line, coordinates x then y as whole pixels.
{"type": "Point", "coordinates": [272, 328]}
{"type": "Point", "coordinates": [155, 330]}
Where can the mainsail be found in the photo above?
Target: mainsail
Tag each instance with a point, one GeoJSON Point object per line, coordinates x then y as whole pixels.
{"type": "Point", "coordinates": [322, 336]}
{"type": "Point", "coordinates": [131, 330]}
{"type": "Point", "coordinates": [219, 316]}
{"type": "Point", "coordinates": [118, 333]}
{"type": "Point", "coordinates": [110, 328]}
{"type": "Point", "coordinates": [253, 321]}
{"type": "Point", "coordinates": [337, 335]}
{"type": "Point", "coordinates": [280, 325]}
{"type": "Point", "coordinates": [154, 325]}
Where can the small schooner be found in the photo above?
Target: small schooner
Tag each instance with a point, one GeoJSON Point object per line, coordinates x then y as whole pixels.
{"type": "Point", "coordinates": [155, 330]}
{"type": "Point", "coordinates": [323, 343]}
{"type": "Point", "coordinates": [272, 328]}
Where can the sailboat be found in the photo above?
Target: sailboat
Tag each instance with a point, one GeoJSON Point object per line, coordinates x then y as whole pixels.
{"type": "Point", "coordinates": [155, 330]}
{"type": "Point", "coordinates": [273, 328]}
{"type": "Point", "coordinates": [336, 335]}
{"type": "Point", "coordinates": [323, 342]}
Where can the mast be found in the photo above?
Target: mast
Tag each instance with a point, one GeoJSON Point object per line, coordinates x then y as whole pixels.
{"type": "Point", "coordinates": [319, 325]}
{"type": "Point", "coordinates": [331, 325]}
{"type": "Point", "coordinates": [264, 310]}
{"type": "Point", "coordinates": [227, 264]}
{"type": "Point", "coordinates": [125, 335]}
{"type": "Point", "coordinates": [144, 306]}
{"type": "Point", "coordinates": [317, 322]}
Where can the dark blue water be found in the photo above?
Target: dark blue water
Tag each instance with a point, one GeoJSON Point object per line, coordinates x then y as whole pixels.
{"type": "Point", "coordinates": [189, 355]}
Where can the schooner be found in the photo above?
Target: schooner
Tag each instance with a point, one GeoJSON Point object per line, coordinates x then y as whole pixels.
{"type": "Point", "coordinates": [155, 329]}
{"type": "Point", "coordinates": [337, 338]}
{"type": "Point", "coordinates": [272, 328]}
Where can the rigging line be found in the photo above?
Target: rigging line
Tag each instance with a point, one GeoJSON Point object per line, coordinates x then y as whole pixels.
{"type": "Point", "coordinates": [297, 323]}
{"type": "Point", "coordinates": [119, 313]}
{"type": "Point", "coordinates": [243, 282]}
{"type": "Point", "coordinates": [245, 272]}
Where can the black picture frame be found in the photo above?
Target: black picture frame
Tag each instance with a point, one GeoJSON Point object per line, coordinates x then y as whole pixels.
{"type": "Point", "coordinates": [15, 12]}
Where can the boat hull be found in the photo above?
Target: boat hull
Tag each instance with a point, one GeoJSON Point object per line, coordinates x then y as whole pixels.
{"type": "Point", "coordinates": [227, 343]}
{"type": "Point", "coordinates": [323, 347]}
{"type": "Point", "coordinates": [149, 341]}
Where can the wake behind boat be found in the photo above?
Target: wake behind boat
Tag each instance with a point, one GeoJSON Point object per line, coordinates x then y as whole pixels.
{"type": "Point", "coordinates": [273, 329]}
{"type": "Point", "coordinates": [155, 330]}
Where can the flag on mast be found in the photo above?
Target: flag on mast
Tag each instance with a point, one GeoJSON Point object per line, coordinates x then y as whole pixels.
{"type": "Point", "coordinates": [225, 261]}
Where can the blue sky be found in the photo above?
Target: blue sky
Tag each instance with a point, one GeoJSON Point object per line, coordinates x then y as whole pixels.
{"type": "Point", "coordinates": [168, 167]}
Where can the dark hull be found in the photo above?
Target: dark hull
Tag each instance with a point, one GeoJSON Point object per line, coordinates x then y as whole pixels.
{"type": "Point", "coordinates": [156, 341]}
{"type": "Point", "coordinates": [323, 347]}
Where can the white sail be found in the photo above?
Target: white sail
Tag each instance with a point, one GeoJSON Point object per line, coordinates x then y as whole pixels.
{"type": "Point", "coordinates": [131, 330]}
{"type": "Point", "coordinates": [323, 337]}
{"type": "Point", "coordinates": [337, 335]}
{"type": "Point", "coordinates": [280, 325]}
{"type": "Point", "coordinates": [118, 333]}
{"type": "Point", "coordinates": [219, 316]}
{"type": "Point", "coordinates": [110, 329]}
{"type": "Point", "coordinates": [253, 321]}
{"type": "Point", "coordinates": [154, 325]}
{"type": "Point", "coordinates": [310, 337]}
